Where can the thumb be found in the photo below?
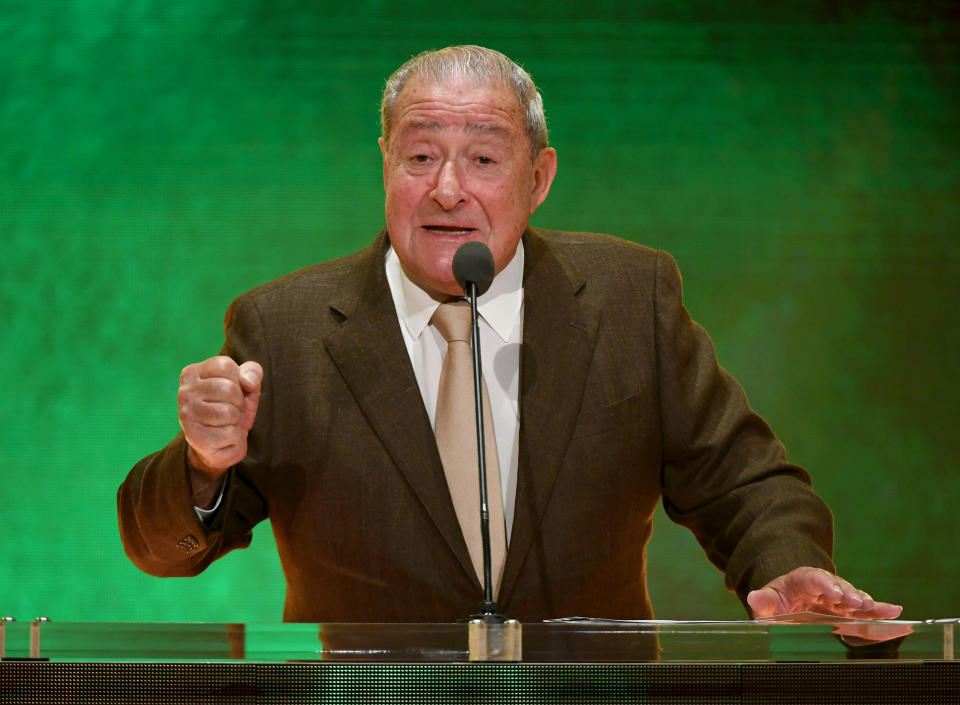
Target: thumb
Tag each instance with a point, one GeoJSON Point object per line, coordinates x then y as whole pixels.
{"type": "Point", "coordinates": [251, 376]}
{"type": "Point", "coordinates": [763, 603]}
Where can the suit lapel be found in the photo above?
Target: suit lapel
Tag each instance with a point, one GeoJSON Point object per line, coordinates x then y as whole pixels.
{"type": "Point", "coordinates": [370, 354]}
{"type": "Point", "coordinates": [559, 331]}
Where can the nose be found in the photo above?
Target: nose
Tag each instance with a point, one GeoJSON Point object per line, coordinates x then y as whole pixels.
{"type": "Point", "coordinates": [448, 191]}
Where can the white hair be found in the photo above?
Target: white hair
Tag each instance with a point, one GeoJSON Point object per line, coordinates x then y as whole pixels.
{"type": "Point", "coordinates": [479, 65]}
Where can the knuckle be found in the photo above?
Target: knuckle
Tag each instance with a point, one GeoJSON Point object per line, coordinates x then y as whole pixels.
{"type": "Point", "coordinates": [185, 395]}
{"type": "Point", "coordinates": [192, 369]}
{"type": "Point", "coordinates": [223, 365]}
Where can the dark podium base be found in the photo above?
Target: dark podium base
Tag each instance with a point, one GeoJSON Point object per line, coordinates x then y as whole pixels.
{"type": "Point", "coordinates": [79, 683]}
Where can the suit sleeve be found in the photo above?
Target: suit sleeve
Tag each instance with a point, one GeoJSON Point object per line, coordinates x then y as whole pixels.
{"type": "Point", "coordinates": [159, 529]}
{"type": "Point", "coordinates": [725, 474]}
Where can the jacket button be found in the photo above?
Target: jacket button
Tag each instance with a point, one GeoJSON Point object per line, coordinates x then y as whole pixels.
{"type": "Point", "coordinates": [188, 543]}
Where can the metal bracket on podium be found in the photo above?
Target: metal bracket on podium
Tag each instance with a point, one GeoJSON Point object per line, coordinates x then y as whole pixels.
{"type": "Point", "coordinates": [3, 635]}
{"type": "Point", "coordinates": [491, 640]}
{"type": "Point", "coordinates": [35, 636]}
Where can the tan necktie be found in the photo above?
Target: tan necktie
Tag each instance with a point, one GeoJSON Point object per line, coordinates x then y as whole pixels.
{"type": "Point", "coordinates": [457, 441]}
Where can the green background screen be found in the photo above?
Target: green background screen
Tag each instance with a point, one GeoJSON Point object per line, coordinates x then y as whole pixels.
{"type": "Point", "coordinates": [159, 157]}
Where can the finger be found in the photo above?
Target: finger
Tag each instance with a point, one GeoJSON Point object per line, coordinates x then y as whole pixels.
{"type": "Point", "coordinates": [847, 597]}
{"type": "Point", "coordinates": [218, 390]}
{"type": "Point", "coordinates": [868, 602]}
{"type": "Point", "coordinates": [821, 586]}
{"type": "Point", "coordinates": [217, 414]}
{"type": "Point", "coordinates": [188, 373]}
{"type": "Point", "coordinates": [853, 600]}
{"type": "Point", "coordinates": [210, 402]}
{"type": "Point", "coordinates": [213, 380]}
{"type": "Point", "coordinates": [818, 581]}
{"type": "Point", "coordinates": [880, 610]}
{"type": "Point", "coordinates": [856, 603]}
{"type": "Point", "coordinates": [220, 366]}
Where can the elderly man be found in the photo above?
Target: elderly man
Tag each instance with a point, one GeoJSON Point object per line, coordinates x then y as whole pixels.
{"type": "Point", "coordinates": [321, 412]}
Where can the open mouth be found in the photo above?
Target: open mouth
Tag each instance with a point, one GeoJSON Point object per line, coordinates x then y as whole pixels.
{"type": "Point", "coordinates": [448, 229]}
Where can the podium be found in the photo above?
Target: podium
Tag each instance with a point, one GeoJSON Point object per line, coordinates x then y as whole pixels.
{"type": "Point", "coordinates": [813, 660]}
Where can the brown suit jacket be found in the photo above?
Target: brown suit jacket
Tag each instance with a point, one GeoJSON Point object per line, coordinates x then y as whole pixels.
{"type": "Point", "coordinates": [622, 402]}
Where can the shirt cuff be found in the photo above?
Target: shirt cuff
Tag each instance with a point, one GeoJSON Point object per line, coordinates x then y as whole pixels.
{"type": "Point", "coordinates": [206, 515]}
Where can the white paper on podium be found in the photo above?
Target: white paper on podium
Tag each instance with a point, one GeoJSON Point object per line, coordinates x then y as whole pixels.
{"type": "Point", "coordinates": [794, 618]}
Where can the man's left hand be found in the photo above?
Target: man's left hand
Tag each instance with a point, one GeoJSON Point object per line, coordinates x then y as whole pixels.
{"type": "Point", "coordinates": [815, 590]}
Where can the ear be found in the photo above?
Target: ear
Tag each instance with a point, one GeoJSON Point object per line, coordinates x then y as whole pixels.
{"type": "Point", "coordinates": [544, 171]}
{"type": "Point", "coordinates": [383, 152]}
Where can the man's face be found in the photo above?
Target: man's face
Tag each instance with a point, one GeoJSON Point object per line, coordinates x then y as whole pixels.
{"type": "Point", "coordinates": [456, 168]}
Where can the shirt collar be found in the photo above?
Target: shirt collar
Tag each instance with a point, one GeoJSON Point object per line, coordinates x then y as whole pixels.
{"type": "Point", "coordinates": [499, 306]}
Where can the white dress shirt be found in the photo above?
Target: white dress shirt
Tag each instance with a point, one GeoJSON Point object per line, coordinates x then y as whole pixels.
{"type": "Point", "coordinates": [501, 334]}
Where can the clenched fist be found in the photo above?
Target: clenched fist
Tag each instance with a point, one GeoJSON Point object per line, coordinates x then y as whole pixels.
{"type": "Point", "coordinates": [217, 404]}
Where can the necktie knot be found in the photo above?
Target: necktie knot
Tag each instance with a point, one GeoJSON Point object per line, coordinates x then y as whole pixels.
{"type": "Point", "coordinates": [452, 319]}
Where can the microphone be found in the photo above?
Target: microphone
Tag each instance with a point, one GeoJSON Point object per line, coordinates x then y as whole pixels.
{"type": "Point", "coordinates": [473, 262]}
{"type": "Point", "coordinates": [473, 268]}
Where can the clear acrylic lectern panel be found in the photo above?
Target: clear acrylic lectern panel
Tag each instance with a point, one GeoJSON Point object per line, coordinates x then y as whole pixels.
{"type": "Point", "coordinates": [586, 641]}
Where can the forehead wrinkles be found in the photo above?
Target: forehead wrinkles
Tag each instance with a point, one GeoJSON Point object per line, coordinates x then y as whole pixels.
{"type": "Point", "coordinates": [491, 129]}
{"type": "Point", "coordinates": [474, 108]}
{"type": "Point", "coordinates": [473, 116]}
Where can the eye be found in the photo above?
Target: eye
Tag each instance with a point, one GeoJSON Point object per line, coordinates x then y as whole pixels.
{"type": "Point", "coordinates": [484, 160]}
{"type": "Point", "coordinates": [421, 158]}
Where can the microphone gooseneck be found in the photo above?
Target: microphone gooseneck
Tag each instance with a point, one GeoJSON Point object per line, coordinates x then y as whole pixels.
{"type": "Point", "coordinates": [473, 268]}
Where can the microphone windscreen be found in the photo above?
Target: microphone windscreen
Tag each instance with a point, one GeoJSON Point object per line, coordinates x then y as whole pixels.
{"type": "Point", "coordinates": [473, 262]}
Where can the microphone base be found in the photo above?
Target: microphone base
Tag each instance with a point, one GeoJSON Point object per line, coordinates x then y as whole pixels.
{"type": "Point", "coordinates": [488, 613]}
{"type": "Point", "coordinates": [493, 637]}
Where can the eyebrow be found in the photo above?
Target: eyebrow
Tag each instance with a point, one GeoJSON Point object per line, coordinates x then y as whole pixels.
{"type": "Point", "coordinates": [421, 125]}
{"type": "Point", "coordinates": [487, 128]}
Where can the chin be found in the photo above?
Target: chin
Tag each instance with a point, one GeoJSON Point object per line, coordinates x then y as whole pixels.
{"type": "Point", "coordinates": [450, 288]}
{"type": "Point", "coordinates": [436, 286]}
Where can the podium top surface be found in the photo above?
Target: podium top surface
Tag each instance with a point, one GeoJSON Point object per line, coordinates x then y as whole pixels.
{"type": "Point", "coordinates": [803, 638]}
